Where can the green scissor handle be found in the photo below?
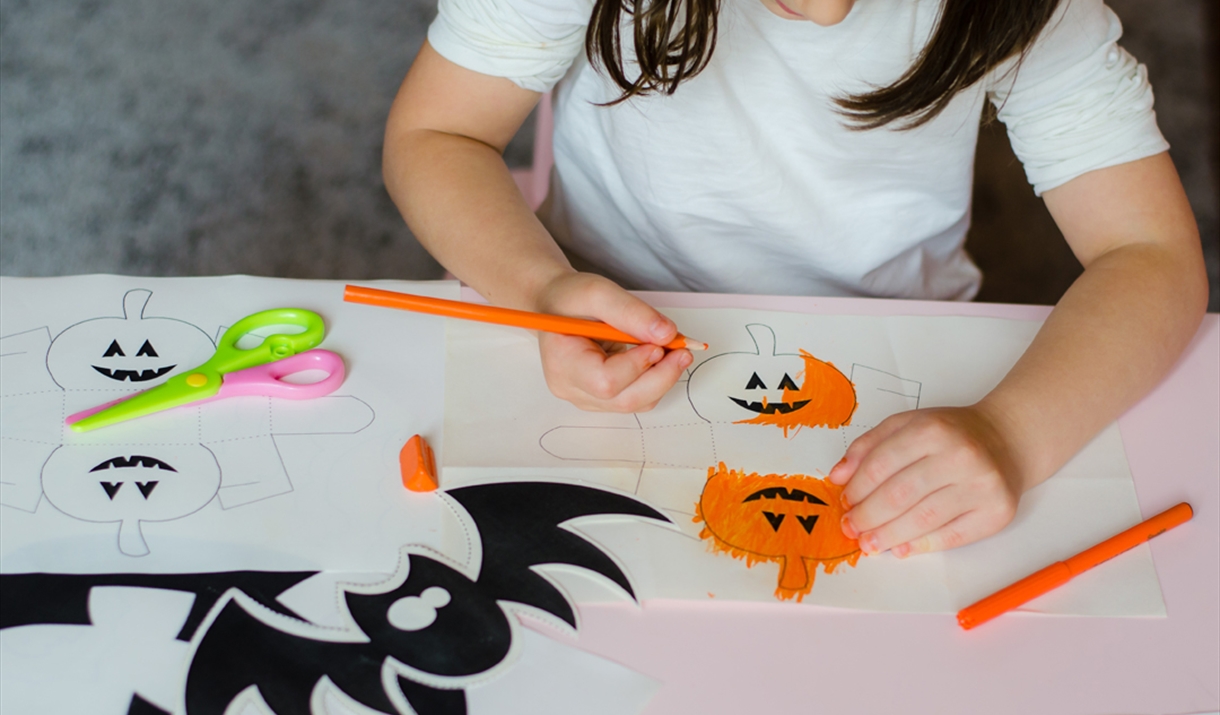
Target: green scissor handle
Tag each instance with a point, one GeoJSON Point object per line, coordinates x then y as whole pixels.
{"type": "Point", "coordinates": [230, 358]}
{"type": "Point", "coordinates": [204, 381]}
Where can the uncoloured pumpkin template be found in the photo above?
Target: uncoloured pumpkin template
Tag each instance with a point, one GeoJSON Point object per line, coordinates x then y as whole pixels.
{"type": "Point", "coordinates": [153, 470]}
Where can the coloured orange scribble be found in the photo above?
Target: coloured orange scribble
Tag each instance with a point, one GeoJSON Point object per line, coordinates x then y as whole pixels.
{"type": "Point", "coordinates": [792, 520]}
{"type": "Point", "coordinates": [826, 398]}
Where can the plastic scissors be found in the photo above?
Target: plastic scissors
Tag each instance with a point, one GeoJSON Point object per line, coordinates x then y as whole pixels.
{"type": "Point", "coordinates": [233, 371]}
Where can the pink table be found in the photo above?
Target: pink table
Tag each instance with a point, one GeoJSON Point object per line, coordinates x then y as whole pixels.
{"type": "Point", "coordinates": [772, 659]}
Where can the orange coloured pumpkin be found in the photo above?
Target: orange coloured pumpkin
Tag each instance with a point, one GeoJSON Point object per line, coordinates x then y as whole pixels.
{"type": "Point", "coordinates": [825, 398]}
{"type": "Point", "coordinates": [792, 520]}
{"type": "Point", "coordinates": [765, 387]}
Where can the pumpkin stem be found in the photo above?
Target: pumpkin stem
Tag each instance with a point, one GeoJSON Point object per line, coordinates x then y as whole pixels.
{"type": "Point", "coordinates": [763, 337]}
{"type": "Point", "coordinates": [134, 303]}
{"type": "Point", "coordinates": [793, 573]}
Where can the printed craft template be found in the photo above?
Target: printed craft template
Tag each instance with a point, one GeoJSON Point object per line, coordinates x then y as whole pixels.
{"type": "Point", "coordinates": [155, 469]}
{"type": "Point", "coordinates": [288, 570]}
{"type": "Point", "coordinates": [737, 452]}
{"type": "Point", "coordinates": [238, 483]}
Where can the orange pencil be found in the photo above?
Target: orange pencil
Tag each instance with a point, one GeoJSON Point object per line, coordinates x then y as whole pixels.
{"type": "Point", "coordinates": [1061, 572]}
{"type": "Point", "coordinates": [503, 316]}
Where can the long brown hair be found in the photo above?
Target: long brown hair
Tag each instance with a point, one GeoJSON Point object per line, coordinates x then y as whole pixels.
{"type": "Point", "coordinates": [674, 41]}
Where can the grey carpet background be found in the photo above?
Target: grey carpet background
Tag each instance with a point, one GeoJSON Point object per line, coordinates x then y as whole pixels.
{"type": "Point", "coordinates": [200, 137]}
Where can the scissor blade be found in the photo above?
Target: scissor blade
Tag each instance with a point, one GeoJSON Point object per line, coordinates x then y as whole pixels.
{"type": "Point", "coordinates": [175, 392]}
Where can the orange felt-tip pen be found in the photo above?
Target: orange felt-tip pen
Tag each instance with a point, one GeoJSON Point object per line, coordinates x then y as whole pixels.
{"type": "Point", "coordinates": [1061, 572]}
{"type": "Point", "coordinates": [592, 329]}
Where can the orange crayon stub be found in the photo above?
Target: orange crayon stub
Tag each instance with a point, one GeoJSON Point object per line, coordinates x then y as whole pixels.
{"type": "Point", "coordinates": [418, 465]}
{"type": "Point", "coordinates": [791, 520]}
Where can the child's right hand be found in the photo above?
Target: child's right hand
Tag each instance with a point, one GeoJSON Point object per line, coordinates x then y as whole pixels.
{"type": "Point", "coordinates": [608, 377]}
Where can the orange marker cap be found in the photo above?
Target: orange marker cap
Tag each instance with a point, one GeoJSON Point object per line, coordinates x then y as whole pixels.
{"type": "Point", "coordinates": [418, 465]}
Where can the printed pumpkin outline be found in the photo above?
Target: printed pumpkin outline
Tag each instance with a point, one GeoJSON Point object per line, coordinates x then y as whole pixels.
{"type": "Point", "coordinates": [131, 351]}
{"type": "Point", "coordinates": [66, 473]}
{"type": "Point", "coordinates": [130, 490]}
{"type": "Point", "coordinates": [788, 519]}
{"type": "Point", "coordinates": [787, 390]}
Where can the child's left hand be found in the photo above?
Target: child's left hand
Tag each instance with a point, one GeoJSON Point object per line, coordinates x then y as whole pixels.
{"type": "Point", "coordinates": [928, 480]}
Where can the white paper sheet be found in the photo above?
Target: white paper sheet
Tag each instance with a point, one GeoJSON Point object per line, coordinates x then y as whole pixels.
{"type": "Point", "coordinates": [502, 423]}
{"type": "Point", "coordinates": [261, 482]}
{"type": "Point", "coordinates": [122, 548]}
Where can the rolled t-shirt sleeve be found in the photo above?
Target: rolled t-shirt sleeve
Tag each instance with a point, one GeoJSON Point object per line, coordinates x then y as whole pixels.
{"type": "Point", "coordinates": [1077, 101]}
{"type": "Point", "coordinates": [531, 42]}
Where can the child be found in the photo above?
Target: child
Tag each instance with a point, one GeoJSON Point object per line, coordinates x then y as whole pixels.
{"type": "Point", "coordinates": [811, 147]}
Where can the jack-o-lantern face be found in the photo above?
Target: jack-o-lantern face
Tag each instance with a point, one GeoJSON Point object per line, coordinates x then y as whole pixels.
{"type": "Point", "coordinates": [93, 483]}
{"type": "Point", "coordinates": [114, 353]}
{"type": "Point", "coordinates": [792, 520]}
{"type": "Point", "coordinates": [789, 391]}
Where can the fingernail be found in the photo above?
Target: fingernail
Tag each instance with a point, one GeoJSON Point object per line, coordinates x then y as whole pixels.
{"type": "Point", "coordinates": [868, 544]}
{"type": "Point", "coordinates": [661, 330]}
{"type": "Point", "coordinates": [843, 500]}
{"type": "Point", "coordinates": [848, 530]}
{"type": "Point", "coordinates": [655, 356]}
{"type": "Point", "coordinates": [685, 359]}
{"type": "Point", "coordinates": [901, 550]}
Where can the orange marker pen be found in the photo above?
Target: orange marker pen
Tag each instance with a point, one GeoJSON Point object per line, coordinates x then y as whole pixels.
{"type": "Point", "coordinates": [592, 329]}
{"type": "Point", "coordinates": [1061, 572]}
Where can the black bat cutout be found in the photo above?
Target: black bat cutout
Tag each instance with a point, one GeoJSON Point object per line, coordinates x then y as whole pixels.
{"type": "Point", "coordinates": [140, 706]}
{"type": "Point", "coordinates": [63, 599]}
{"type": "Point", "coordinates": [519, 527]}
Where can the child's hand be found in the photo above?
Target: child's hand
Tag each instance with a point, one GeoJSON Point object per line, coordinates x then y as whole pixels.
{"type": "Point", "coordinates": [927, 480]}
{"type": "Point", "coordinates": [608, 378]}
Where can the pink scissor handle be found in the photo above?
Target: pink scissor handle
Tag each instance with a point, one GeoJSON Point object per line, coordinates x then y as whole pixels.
{"type": "Point", "coordinates": [267, 379]}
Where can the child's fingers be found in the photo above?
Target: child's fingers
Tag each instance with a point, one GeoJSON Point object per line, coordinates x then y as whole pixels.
{"type": "Point", "coordinates": [865, 443]}
{"type": "Point", "coordinates": [965, 529]}
{"type": "Point", "coordinates": [930, 513]}
{"type": "Point", "coordinates": [590, 296]}
{"type": "Point", "coordinates": [633, 316]}
{"type": "Point", "coordinates": [579, 371]}
{"type": "Point", "coordinates": [644, 394]}
{"type": "Point", "coordinates": [908, 443]}
{"type": "Point", "coordinates": [898, 496]}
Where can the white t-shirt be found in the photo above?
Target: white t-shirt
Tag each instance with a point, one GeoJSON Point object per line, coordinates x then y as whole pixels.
{"type": "Point", "coordinates": [747, 180]}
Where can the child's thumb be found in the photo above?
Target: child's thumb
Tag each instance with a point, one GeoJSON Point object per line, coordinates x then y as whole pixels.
{"type": "Point", "coordinates": [637, 318]}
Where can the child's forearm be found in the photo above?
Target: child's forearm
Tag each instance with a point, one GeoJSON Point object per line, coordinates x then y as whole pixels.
{"type": "Point", "coordinates": [443, 167]}
{"type": "Point", "coordinates": [938, 478]}
{"type": "Point", "coordinates": [1120, 327]}
{"type": "Point", "coordinates": [462, 204]}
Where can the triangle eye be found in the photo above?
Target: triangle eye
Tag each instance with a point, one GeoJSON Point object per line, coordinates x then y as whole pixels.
{"type": "Point", "coordinates": [774, 519]}
{"type": "Point", "coordinates": [111, 488]}
{"type": "Point", "coordinates": [147, 349]}
{"type": "Point", "coordinates": [147, 487]}
{"type": "Point", "coordinates": [756, 383]}
{"type": "Point", "coordinates": [114, 349]}
{"type": "Point", "coordinates": [788, 384]}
